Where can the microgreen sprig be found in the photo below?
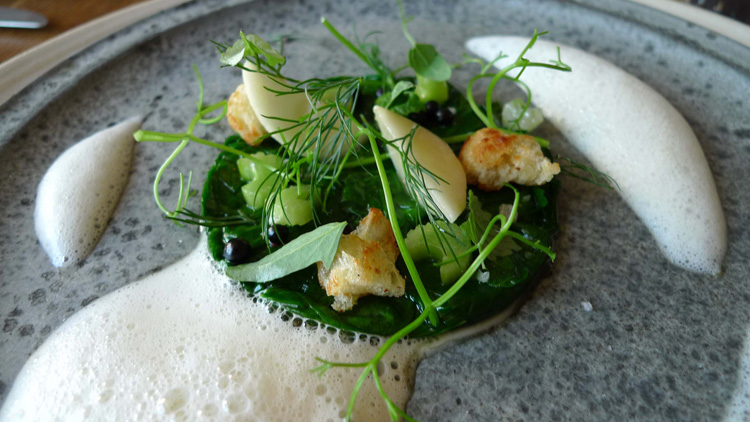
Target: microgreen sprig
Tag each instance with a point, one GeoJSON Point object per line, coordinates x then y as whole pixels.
{"type": "Point", "coordinates": [521, 63]}
{"type": "Point", "coordinates": [183, 139]}
{"type": "Point", "coordinates": [424, 58]}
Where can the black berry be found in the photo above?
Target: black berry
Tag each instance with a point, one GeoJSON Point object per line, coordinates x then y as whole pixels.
{"type": "Point", "coordinates": [432, 107]}
{"type": "Point", "coordinates": [277, 235]}
{"type": "Point", "coordinates": [444, 116]}
{"type": "Point", "coordinates": [237, 251]}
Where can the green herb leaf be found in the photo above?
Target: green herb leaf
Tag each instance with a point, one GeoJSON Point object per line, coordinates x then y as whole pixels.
{"type": "Point", "coordinates": [400, 88]}
{"type": "Point", "coordinates": [408, 102]}
{"type": "Point", "coordinates": [428, 63]}
{"type": "Point", "coordinates": [481, 217]}
{"type": "Point", "coordinates": [541, 199]}
{"type": "Point", "coordinates": [234, 54]}
{"type": "Point", "coordinates": [318, 245]}
{"type": "Point", "coordinates": [255, 45]}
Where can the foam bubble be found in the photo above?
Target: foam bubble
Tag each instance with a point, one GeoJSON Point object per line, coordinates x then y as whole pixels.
{"type": "Point", "coordinates": [79, 192]}
{"type": "Point", "coordinates": [630, 132]}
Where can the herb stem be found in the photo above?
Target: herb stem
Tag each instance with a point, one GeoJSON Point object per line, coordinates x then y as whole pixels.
{"type": "Point", "coordinates": [405, 22]}
{"type": "Point", "coordinates": [150, 136]}
{"type": "Point", "coordinates": [416, 279]}
{"type": "Point", "coordinates": [160, 173]}
{"type": "Point", "coordinates": [365, 161]}
{"type": "Point", "coordinates": [399, 69]}
{"type": "Point", "coordinates": [473, 104]}
{"type": "Point", "coordinates": [343, 40]}
{"type": "Point", "coordinates": [457, 138]}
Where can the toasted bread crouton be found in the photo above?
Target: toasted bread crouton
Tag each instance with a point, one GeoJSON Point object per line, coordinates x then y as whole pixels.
{"type": "Point", "coordinates": [242, 117]}
{"type": "Point", "coordinates": [492, 157]}
{"type": "Point", "coordinates": [365, 264]}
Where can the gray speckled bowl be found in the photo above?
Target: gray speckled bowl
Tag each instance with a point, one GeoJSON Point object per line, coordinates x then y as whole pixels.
{"type": "Point", "coordinates": [659, 344]}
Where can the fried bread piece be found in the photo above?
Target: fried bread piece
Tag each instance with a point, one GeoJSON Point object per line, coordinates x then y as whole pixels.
{"type": "Point", "coordinates": [365, 264]}
{"type": "Point", "coordinates": [492, 157]}
{"type": "Point", "coordinates": [242, 117]}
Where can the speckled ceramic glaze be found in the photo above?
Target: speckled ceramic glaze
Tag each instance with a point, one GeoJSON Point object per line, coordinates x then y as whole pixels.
{"type": "Point", "coordinates": [656, 343]}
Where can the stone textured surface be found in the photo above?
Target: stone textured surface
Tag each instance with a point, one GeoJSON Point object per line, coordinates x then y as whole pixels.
{"type": "Point", "coordinates": [658, 343]}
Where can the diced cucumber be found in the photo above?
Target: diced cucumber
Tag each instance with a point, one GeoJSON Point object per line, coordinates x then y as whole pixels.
{"type": "Point", "coordinates": [257, 191]}
{"type": "Point", "coordinates": [251, 169]}
{"type": "Point", "coordinates": [454, 242]}
{"type": "Point", "coordinates": [261, 178]}
{"type": "Point", "coordinates": [293, 206]}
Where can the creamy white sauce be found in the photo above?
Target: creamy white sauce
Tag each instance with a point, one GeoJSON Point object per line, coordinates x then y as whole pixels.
{"type": "Point", "coordinates": [630, 132]}
{"type": "Point", "coordinates": [184, 344]}
{"type": "Point", "coordinates": [79, 192]}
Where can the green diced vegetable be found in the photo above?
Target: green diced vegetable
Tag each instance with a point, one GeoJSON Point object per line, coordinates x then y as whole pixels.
{"type": "Point", "coordinates": [256, 193]}
{"type": "Point", "coordinates": [517, 116]}
{"type": "Point", "coordinates": [293, 206]}
{"type": "Point", "coordinates": [261, 177]}
{"type": "Point", "coordinates": [423, 243]}
{"type": "Point", "coordinates": [251, 169]}
{"type": "Point", "coordinates": [429, 90]}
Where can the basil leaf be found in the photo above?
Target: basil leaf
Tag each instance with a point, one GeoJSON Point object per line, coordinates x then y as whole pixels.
{"type": "Point", "coordinates": [428, 63]}
{"type": "Point", "coordinates": [233, 54]}
{"type": "Point", "coordinates": [400, 88]}
{"type": "Point", "coordinates": [318, 245]}
{"type": "Point", "coordinates": [256, 46]}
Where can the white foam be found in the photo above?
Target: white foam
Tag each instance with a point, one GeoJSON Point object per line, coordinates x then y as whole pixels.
{"type": "Point", "coordinates": [629, 131]}
{"type": "Point", "coordinates": [79, 192]}
{"type": "Point", "coordinates": [184, 344]}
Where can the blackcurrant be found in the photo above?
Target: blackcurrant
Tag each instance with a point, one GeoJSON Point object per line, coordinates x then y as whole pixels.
{"type": "Point", "coordinates": [237, 251]}
{"type": "Point", "coordinates": [432, 107]}
{"type": "Point", "coordinates": [444, 116]}
{"type": "Point", "coordinates": [277, 235]}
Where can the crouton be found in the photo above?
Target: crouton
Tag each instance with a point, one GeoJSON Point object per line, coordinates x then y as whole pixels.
{"type": "Point", "coordinates": [365, 264]}
{"type": "Point", "coordinates": [242, 117]}
{"type": "Point", "coordinates": [492, 157]}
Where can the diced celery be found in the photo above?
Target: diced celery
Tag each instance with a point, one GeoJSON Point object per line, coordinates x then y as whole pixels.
{"type": "Point", "coordinates": [429, 90]}
{"type": "Point", "coordinates": [293, 206]}
{"type": "Point", "coordinates": [454, 242]}
{"type": "Point", "coordinates": [261, 178]}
